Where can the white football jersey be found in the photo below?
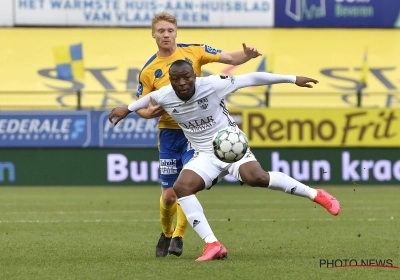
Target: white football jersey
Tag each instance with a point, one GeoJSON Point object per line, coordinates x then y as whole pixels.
{"type": "Point", "coordinates": [202, 115]}
{"type": "Point", "coordinates": [205, 112]}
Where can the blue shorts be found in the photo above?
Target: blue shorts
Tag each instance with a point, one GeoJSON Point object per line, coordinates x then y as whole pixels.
{"type": "Point", "coordinates": [175, 151]}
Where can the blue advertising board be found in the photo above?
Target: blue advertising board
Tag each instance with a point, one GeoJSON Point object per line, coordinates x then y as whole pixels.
{"type": "Point", "coordinates": [132, 131]}
{"type": "Point", "coordinates": [337, 13]}
{"type": "Point", "coordinates": [75, 129]}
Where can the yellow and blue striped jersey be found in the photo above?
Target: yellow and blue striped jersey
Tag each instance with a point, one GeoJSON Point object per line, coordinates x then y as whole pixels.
{"type": "Point", "coordinates": [154, 74]}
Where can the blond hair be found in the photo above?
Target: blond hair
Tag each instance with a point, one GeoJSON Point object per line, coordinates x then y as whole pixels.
{"type": "Point", "coordinates": [163, 16]}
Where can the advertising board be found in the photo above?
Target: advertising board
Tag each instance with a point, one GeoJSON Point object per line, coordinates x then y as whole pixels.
{"type": "Point", "coordinates": [6, 13]}
{"type": "Point", "coordinates": [68, 129]}
{"type": "Point", "coordinates": [358, 127]}
{"type": "Point", "coordinates": [337, 13]}
{"type": "Point", "coordinates": [137, 167]}
{"type": "Point", "coordinates": [214, 13]}
{"type": "Point", "coordinates": [334, 57]}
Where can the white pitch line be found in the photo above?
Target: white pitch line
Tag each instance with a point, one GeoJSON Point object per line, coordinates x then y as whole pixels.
{"type": "Point", "coordinates": [77, 212]}
{"type": "Point", "coordinates": [150, 211]}
{"type": "Point", "coordinates": [213, 220]}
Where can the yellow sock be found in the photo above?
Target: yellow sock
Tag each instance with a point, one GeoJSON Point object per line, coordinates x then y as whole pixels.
{"type": "Point", "coordinates": [167, 215]}
{"type": "Point", "coordinates": [181, 223]}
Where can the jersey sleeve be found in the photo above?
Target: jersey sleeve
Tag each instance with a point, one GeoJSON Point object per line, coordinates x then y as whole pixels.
{"type": "Point", "coordinates": [144, 102]}
{"type": "Point", "coordinates": [208, 54]}
{"type": "Point", "coordinates": [145, 85]}
{"type": "Point", "coordinates": [224, 85]}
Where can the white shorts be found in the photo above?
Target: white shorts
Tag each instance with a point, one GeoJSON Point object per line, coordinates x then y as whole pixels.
{"type": "Point", "coordinates": [212, 170]}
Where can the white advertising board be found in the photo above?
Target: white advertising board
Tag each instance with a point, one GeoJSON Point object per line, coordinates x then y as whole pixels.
{"type": "Point", "coordinates": [192, 13]}
{"type": "Point", "coordinates": [6, 13]}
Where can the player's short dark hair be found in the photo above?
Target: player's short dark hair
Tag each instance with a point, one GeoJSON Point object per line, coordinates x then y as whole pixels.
{"type": "Point", "coordinates": [180, 62]}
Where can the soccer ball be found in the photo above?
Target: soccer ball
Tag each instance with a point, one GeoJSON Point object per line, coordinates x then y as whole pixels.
{"type": "Point", "coordinates": [230, 144]}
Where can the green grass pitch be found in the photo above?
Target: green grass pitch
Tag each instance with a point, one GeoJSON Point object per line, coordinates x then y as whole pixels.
{"type": "Point", "coordinates": [111, 233]}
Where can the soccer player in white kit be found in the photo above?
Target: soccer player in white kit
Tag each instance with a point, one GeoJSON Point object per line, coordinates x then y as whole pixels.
{"type": "Point", "coordinates": [197, 105]}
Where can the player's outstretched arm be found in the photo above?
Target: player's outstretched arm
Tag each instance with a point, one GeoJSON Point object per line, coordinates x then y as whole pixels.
{"type": "Point", "coordinates": [259, 79]}
{"type": "Point", "coordinates": [226, 86]}
{"type": "Point", "coordinates": [239, 57]}
{"type": "Point", "coordinates": [305, 81]}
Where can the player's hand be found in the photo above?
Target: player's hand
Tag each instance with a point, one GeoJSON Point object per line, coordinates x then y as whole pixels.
{"type": "Point", "coordinates": [154, 110]}
{"type": "Point", "coordinates": [305, 82]}
{"type": "Point", "coordinates": [119, 113]}
{"type": "Point", "coordinates": [251, 52]}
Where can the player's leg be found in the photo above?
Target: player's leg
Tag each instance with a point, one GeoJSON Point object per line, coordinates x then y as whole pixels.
{"type": "Point", "coordinates": [249, 171]}
{"type": "Point", "coordinates": [198, 174]}
{"type": "Point", "coordinates": [176, 245]}
{"type": "Point", "coordinates": [168, 205]}
{"type": "Point", "coordinates": [169, 161]}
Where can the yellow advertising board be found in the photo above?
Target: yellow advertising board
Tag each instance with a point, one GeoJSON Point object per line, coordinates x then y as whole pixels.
{"type": "Point", "coordinates": [316, 127]}
{"type": "Point", "coordinates": [113, 58]}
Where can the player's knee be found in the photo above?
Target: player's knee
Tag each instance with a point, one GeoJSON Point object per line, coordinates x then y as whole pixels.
{"type": "Point", "coordinates": [258, 179]}
{"type": "Point", "coordinates": [181, 189]}
{"type": "Point", "coordinates": [168, 196]}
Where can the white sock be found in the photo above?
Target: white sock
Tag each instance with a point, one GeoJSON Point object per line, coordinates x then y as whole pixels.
{"type": "Point", "coordinates": [210, 238]}
{"type": "Point", "coordinates": [195, 216]}
{"type": "Point", "coordinates": [279, 181]}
